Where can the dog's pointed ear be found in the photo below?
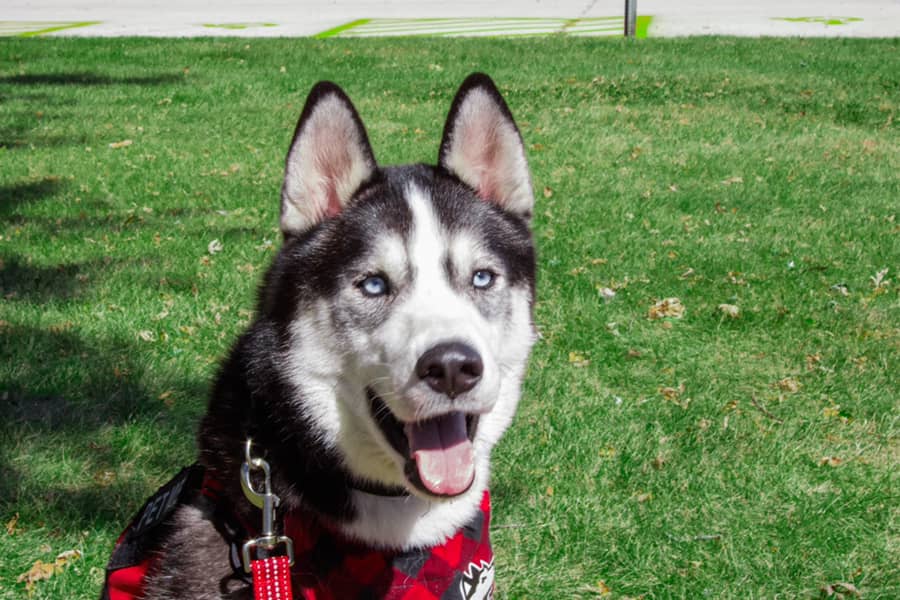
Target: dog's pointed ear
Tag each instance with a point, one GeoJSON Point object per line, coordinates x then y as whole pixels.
{"type": "Point", "coordinates": [330, 157]}
{"type": "Point", "coordinates": [483, 148]}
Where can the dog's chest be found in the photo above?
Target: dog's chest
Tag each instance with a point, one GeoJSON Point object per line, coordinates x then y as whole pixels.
{"type": "Point", "coordinates": [327, 566]}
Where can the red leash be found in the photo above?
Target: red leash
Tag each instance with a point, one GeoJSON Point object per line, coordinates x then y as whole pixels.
{"type": "Point", "coordinates": [271, 575]}
{"type": "Point", "coordinates": [272, 578]}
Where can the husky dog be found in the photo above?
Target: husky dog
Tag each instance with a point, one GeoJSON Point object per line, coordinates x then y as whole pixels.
{"type": "Point", "coordinates": [391, 336]}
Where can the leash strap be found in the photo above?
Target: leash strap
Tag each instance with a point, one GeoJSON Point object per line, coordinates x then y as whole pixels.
{"type": "Point", "coordinates": [272, 578]}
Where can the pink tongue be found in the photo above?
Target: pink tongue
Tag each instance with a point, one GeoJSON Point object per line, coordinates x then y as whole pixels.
{"type": "Point", "coordinates": [443, 453]}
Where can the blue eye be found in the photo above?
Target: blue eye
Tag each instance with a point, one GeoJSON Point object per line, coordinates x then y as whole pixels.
{"type": "Point", "coordinates": [373, 286]}
{"type": "Point", "coordinates": [482, 279]}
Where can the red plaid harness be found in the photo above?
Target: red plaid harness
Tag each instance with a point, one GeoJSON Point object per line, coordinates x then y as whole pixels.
{"type": "Point", "coordinates": [327, 565]}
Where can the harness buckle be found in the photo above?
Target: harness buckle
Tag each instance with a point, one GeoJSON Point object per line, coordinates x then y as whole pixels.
{"type": "Point", "coordinates": [268, 541]}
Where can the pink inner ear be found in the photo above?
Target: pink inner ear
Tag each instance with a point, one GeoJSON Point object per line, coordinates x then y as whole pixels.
{"type": "Point", "coordinates": [334, 204]}
{"type": "Point", "coordinates": [334, 163]}
{"type": "Point", "coordinates": [482, 155]}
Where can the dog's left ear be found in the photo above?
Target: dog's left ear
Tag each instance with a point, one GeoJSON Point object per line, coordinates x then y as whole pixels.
{"type": "Point", "coordinates": [483, 148]}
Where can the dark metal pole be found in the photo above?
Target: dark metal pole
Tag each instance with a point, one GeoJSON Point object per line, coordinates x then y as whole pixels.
{"type": "Point", "coordinates": [630, 17]}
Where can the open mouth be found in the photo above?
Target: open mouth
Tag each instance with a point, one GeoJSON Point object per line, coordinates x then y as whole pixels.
{"type": "Point", "coordinates": [440, 458]}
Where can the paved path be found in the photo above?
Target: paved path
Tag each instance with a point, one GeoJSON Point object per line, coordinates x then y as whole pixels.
{"type": "Point", "coordinates": [354, 18]}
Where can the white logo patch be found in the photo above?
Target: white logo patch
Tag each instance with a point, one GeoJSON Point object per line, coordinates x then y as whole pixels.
{"type": "Point", "coordinates": [478, 581]}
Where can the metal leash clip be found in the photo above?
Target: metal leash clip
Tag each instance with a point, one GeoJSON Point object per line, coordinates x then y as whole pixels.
{"type": "Point", "coordinates": [268, 502]}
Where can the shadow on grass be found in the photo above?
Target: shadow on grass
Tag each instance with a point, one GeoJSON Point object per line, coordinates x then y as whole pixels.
{"type": "Point", "coordinates": [22, 281]}
{"type": "Point", "coordinates": [23, 192]}
{"type": "Point", "coordinates": [61, 393]}
{"type": "Point", "coordinates": [20, 131]}
{"type": "Point", "coordinates": [88, 79]}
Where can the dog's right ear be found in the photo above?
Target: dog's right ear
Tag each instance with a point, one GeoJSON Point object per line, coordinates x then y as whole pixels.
{"type": "Point", "coordinates": [329, 159]}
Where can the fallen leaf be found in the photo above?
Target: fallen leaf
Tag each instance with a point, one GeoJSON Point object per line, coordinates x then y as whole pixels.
{"type": "Point", "coordinates": [11, 524]}
{"type": "Point", "coordinates": [730, 310]}
{"type": "Point", "coordinates": [641, 498]}
{"type": "Point", "coordinates": [550, 490]}
{"type": "Point", "coordinates": [841, 288]}
{"type": "Point", "coordinates": [38, 572]}
{"type": "Point", "coordinates": [606, 293]}
{"type": "Point", "coordinates": [832, 411]}
{"type": "Point", "coordinates": [812, 361]}
{"type": "Point", "coordinates": [830, 461]}
{"type": "Point", "coordinates": [669, 393]}
{"type": "Point", "coordinates": [577, 359]}
{"type": "Point", "coordinates": [214, 247]}
{"type": "Point", "coordinates": [122, 144]}
{"type": "Point", "coordinates": [147, 335]}
{"type": "Point", "coordinates": [104, 478]}
{"type": "Point", "coordinates": [603, 589]}
{"type": "Point", "coordinates": [878, 280]}
{"type": "Point", "coordinates": [667, 308]}
{"type": "Point", "coordinates": [788, 384]}
{"type": "Point", "coordinates": [840, 589]}
{"type": "Point", "coordinates": [548, 192]}
{"type": "Point", "coordinates": [66, 557]}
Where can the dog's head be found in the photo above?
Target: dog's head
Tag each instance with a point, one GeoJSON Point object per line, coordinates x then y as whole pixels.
{"type": "Point", "coordinates": [404, 294]}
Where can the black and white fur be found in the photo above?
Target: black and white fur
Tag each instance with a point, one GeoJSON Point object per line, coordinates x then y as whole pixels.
{"type": "Point", "coordinates": [333, 359]}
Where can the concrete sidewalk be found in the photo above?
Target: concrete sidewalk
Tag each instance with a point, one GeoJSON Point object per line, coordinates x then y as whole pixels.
{"type": "Point", "coordinates": [356, 18]}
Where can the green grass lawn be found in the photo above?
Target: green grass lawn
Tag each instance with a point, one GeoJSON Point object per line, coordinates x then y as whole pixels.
{"type": "Point", "coordinates": [742, 451]}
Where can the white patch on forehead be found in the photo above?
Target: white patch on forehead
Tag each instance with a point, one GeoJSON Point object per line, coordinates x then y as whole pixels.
{"type": "Point", "coordinates": [427, 246]}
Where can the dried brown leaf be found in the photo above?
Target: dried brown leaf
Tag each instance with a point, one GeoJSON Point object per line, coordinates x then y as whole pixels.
{"type": "Point", "coordinates": [667, 308]}
{"type": "Point", "coordinates": [39, 571]}
{"type": "Point", "coordinates": [788, 384]}
{"type": "Point", "coordinates": [12, 524]}
{"type": "Point", "coordinates": [104, 478]}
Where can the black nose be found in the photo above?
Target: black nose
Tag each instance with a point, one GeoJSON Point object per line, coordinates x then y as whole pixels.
{"type": "Point", "coordinates": [450, 369]}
